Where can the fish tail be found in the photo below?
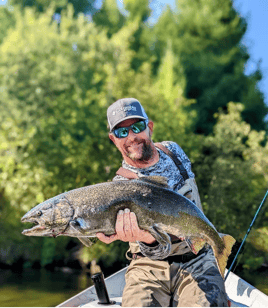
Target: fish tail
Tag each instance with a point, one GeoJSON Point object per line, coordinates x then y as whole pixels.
{"type": "Point", "coordinates": [222, 257]}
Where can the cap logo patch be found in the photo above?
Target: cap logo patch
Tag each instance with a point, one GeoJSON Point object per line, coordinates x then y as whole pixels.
{"type": "Point", "coordinates": [127, 108]}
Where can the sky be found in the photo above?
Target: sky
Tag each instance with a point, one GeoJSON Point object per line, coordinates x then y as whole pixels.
{"type": "Point", "coordinates": [255, 39]}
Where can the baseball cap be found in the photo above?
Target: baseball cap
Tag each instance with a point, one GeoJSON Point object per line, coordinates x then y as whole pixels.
{"type": "Point", "coordinates": [123, 109]}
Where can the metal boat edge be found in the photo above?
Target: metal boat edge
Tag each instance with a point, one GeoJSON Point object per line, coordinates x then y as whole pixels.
{"type": "Point", "coordinates": [240, 293]}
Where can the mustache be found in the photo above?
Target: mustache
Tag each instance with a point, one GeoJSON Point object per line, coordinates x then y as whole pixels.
{"type": "Point", "coordinates": [135, 140]}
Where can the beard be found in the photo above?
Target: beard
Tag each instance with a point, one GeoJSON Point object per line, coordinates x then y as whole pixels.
{"type": "Point", "coordinates": [147, 152]}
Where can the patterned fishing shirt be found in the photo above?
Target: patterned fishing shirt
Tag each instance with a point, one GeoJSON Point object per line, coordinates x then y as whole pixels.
{"type": "Point", "coordinates": [164, 167]}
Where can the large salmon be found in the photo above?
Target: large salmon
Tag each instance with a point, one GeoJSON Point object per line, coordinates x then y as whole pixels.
{"type": "Point", "coordinates": [83, 212]}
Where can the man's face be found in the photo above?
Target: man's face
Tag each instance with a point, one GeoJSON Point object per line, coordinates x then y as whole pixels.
{"type": "Point", "coordinates": [137, 147]}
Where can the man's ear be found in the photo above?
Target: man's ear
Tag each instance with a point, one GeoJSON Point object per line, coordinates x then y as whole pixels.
{"type": "Point", "coordinates": [151, 127]}
{"type": "Point", "coordinates": [111, 136]}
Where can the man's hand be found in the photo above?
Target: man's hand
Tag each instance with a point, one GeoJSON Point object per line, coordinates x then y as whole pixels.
{"type": "Point", "coordinates": [127, 230]}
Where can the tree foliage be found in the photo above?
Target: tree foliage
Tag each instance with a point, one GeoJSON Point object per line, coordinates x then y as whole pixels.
{"type": "Point", "coordinates": [80, 6]}
{"type": "Point", "coordinates": [109, 17]}
{"type": "Point", "coordinates": [230, 181]}
{"type": "Point", "coordinates": [206, 36]}
{"type": "Point", "coordinates": [7, 21]}
{"type": "Point", "coordinates": [51, 88]}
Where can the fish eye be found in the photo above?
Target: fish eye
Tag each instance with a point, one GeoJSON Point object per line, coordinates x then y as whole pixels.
{"type": "Point", "coordinates": [39, 213]}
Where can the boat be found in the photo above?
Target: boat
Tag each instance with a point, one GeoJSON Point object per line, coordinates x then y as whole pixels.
{"type": "Point", "coordinates": [240, 293]}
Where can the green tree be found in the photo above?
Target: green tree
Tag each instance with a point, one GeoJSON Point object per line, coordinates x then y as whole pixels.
{"type": "Point", "coordinates": [7, 21]}
{"type": "Point", "coordinates": [232, 176]}
{"type": "Point", "coordinates": [80, 6]}
{"type": "Point", "coordinates": [138, 9]}
{"type": "Point", "coordinates": [109, 17]}
{"type": "Point", "coordinates": [53, 124]}
{"type": "Point", "coordinates": [50, 84]}
{"type": "Point", "coordinates": [206, 37]}
{"type": "Point", "coordinates": [12, 245]}
{"type": "Point", "coordinates": [164, 32]}
{"type": "Point", "coordinates": [232, 173]}
{"type": "Point", "coordinates": [167, 77]}
{"type": "Point", "coordinates": [138, 13]}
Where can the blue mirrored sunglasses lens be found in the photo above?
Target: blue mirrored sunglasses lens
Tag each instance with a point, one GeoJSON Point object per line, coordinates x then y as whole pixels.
{"type": "Point", "coordinates": [138, 127]}
{"type": "Point", "coordinates": [122, 132]}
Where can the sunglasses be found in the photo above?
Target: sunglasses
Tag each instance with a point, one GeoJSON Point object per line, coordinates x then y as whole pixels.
{"type": "Point", "coordinates": [138, 127]}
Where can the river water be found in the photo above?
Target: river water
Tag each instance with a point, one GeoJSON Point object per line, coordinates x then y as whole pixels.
{"type": "Point", "coordinates": [39, 288]}
{"type": "Point", "coordinates": [42, 288]}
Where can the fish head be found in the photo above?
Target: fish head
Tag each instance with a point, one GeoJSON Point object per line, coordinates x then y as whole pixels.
{"type": "Point", "coordinates": [51, 217]}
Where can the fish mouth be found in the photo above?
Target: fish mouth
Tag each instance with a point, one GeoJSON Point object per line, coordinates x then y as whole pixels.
{"type": "Point", "coordinates": [36, 230]}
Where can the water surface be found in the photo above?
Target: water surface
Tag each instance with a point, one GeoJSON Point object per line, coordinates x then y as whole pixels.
{"type": "Point", "coordinates": [39, 288]}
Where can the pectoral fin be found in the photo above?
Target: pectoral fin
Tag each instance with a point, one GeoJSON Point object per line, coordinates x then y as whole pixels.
{"type": "Point", "coordinates": [86, 241]}
{"type": "Point", "coordinates": [79, 226]}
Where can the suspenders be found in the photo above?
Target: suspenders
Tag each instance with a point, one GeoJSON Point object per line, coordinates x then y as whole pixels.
{"type": "Point", "coordinates": [132, 175]}
{"type": "Point", "coordinates": [177, 162]}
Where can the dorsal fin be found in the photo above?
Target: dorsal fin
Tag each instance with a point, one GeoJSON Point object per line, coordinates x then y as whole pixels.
{"type": "Point", "coordinates": [156, 180]}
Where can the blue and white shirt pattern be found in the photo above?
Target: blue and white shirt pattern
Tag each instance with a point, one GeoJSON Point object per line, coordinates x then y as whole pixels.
{"type": "Point", "coordinates": [164, 167]}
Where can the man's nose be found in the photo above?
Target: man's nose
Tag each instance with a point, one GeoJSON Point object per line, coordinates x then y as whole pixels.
{"type": "Point", "coordinates": [131, 135]}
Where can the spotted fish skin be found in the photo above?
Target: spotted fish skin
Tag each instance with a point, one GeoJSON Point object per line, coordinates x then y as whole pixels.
{"type": "Point", "coordinates": [83, 212]}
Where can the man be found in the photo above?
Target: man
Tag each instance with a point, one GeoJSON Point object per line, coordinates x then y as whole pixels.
{"type": "Point", "coordinates": [157, 276]}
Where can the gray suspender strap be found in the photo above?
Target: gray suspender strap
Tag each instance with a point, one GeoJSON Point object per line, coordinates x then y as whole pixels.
{"type": "Point", "coordinates": [177, 162]}
{"type": "Point", "coordinates": [132, 175]}
{"type": "Point", "coordinates": [127, 173]}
